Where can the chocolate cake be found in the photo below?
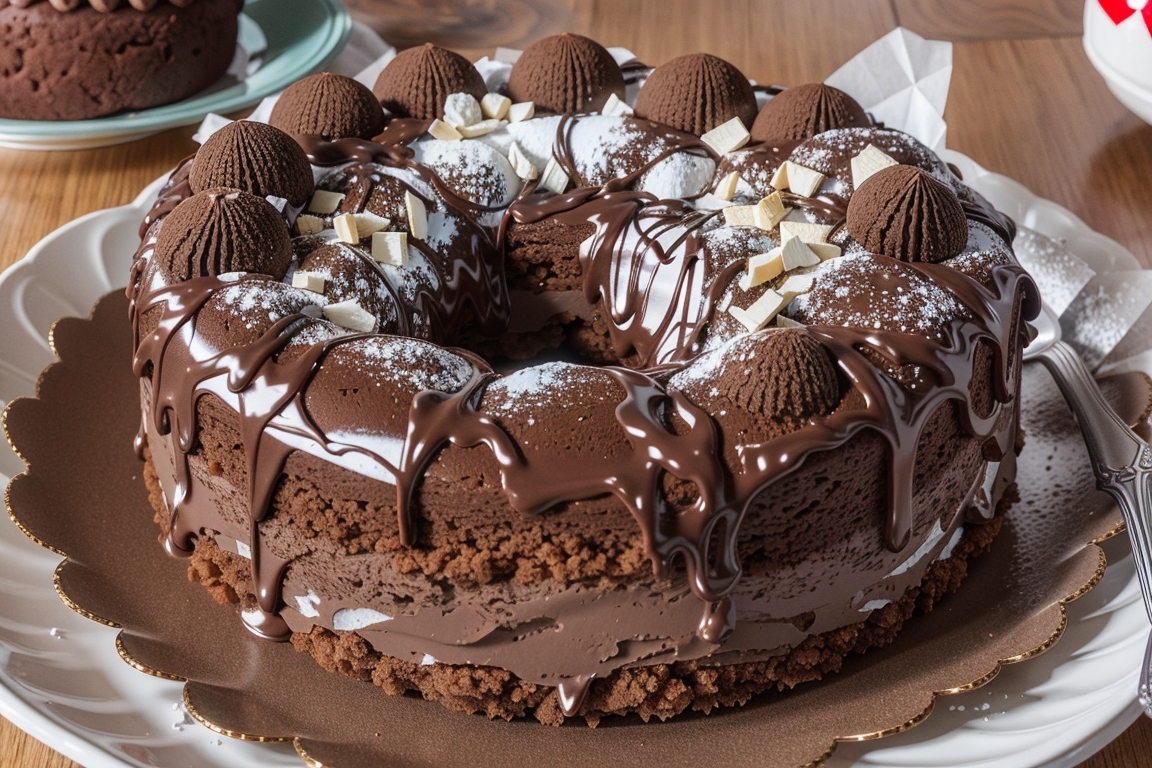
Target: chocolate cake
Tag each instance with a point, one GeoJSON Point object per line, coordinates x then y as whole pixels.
{"type": "Point", "coordinates": [78, 59]}
{"type": "Point", "coordinates": [565, 410]}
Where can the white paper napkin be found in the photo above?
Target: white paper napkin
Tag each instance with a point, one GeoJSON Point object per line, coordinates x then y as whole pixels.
{"type": "Point", "coordinates": [902, 79]}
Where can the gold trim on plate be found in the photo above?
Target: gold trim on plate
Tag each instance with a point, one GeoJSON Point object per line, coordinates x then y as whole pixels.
{"type": "Point", "coordinates": [238, 735]}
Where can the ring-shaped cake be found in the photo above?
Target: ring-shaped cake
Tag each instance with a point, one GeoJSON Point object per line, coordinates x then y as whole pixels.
{"type": "Point", "coordinates": [577, 413]}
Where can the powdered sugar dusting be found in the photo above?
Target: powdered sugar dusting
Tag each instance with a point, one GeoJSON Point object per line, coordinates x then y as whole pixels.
{"type": "Point", "coordinates": [1059, 273]}
{"type": "Point", "coordinates": [529, 392]}
{"type": "Point", "coordinates": [678, 176]}
{"type": "Point", "coordinates": [412, 364]}
{"type": "Point", "coordinates": [866, 291]}
{"type": "Point", "coordinates": [607, 147]}
{"type": "Point", "coordinates": [257, 303]}
{"type": "Point", "coordinates": [707, 367]}
{"type": "Point", "coordinates": [472, 169]}
{"type": "Point", "coordinates": [831, 153]}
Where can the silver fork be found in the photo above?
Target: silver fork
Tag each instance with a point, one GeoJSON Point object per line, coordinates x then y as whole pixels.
{"type": "Point", "coordinates": [1121, 460]}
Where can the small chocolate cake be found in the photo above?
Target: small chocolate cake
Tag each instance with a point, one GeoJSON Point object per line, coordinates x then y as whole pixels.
{"type": "Point", "coordinates": [72, 60]}
{"type": "Point", "coordinates": [576, 412]}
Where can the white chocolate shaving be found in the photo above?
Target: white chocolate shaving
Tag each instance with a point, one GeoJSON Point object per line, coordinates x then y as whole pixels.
{"type": "Point", "coordinates": [796, 285]}
{"type": "Point", "coordinates": [727, 137]}
{"type": "Point", "coordinates": [803, 181]}
{"type": "Point", "coordinates": [554, 179]}
{"type": "Point", "coordinates": [324, 201]}
{"type": "Point", "coordinates": [350, 315]}
{"type": "Point", "coordinates": [443, 131]}
{"type": "Point", "coordinates": [309, 225]}
{"type": "Point", "coordinates": [614, 106]}
{"type": "Point", "coordinates": [740, 215]}
{"type": "Point", "coordinates": [824, 250]}
{"type": "Point", "coordinates": [417, 216]}
{"type": "Point", "coordinates": [390, 248]}
{"type": "Point", "coordinates": [480, 128]}
{"type": "Point", "coordinates": [368, 223]}
{"type": "Point", "coordinates": [726, 187]}
{"type": "Point", "coordinates": [780, 177]}
{"type": "Point", "coordinates": [524, 110]}
{"type": "Point", "coordinates": [345, 226]}
{"type": "Point", "coordinates": [783, 321]}
{"type": "Point", "coordinates": [806, 231]}
{"type": "Point", "coordinates": [761, 312]}
{"type": "Point", "coordinates": [520, 162]}
{"type": "Point", "coordinates": [495, 106]}
{"type": "Point", "coordinates": [769, 211]}
{"type": "Point", "coordinates": [309, 281]}
{"type": "Point", "coordinates": [763, 267]}
{"type": "Point", "coordinates": [795, 253]}
{"type": "Point", "coordinates": [868, 162]}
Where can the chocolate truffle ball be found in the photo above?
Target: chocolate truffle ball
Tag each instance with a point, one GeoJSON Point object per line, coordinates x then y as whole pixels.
{"type": "Point", "coordinates": [906, 214]}
{"type": "Point", "coordinates": [328, 105]}
{"type": "Point", "coordinates": [223, 230]}
{"type": "Point", "coordinates": [696, 93]}
{"type": "Point", "coordinates": [802, 111]}
{"type": "Point", "coordinates": [418, 81]}
{"type": "Point", "coordinates": [791, 376]}
{"type": "Point", "coordinates": [566, 73]}
{"type": "Point", "coordinates": [256, 158]}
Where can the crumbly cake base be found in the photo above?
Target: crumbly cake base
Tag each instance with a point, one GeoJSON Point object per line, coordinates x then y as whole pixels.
{"type": "Point", "coordinates": [660, 690]}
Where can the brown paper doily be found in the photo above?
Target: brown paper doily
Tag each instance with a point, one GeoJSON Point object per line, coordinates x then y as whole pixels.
{"type": "Point", "coordinates": [82, 496]}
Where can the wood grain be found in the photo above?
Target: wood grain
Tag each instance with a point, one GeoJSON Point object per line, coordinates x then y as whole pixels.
{"type": "Point", "coordinates": [991, 19]}
{"type": "Point", "coordinates": [44, 190]}
{"type": "Point", "coordinates": [1024, 103]}
{"type": "Point", "coordinates": [1035, 110]}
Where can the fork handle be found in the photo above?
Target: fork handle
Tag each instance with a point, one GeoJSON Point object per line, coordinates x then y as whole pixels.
{"type": "Point", "coordinates": [1121, 460]}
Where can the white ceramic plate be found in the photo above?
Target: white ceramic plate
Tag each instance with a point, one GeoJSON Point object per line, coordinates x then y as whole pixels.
{"type": "Point", "coordinates": [62, 680]}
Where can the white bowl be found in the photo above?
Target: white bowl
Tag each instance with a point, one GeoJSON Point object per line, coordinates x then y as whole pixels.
{"type": "Point", "coordinates": [1122, 54]}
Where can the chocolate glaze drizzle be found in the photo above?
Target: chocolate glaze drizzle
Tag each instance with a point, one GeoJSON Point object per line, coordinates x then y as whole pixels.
{"type": "Point", "coordinates": [644, 267]}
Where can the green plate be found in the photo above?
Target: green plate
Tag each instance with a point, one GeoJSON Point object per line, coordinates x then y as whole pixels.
{"type": "Point", "coordinates": [302, 35]}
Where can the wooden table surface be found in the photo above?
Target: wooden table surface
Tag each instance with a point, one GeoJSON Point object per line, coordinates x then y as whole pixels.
{"type": "Point", "coordinates": [1024, 102]}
